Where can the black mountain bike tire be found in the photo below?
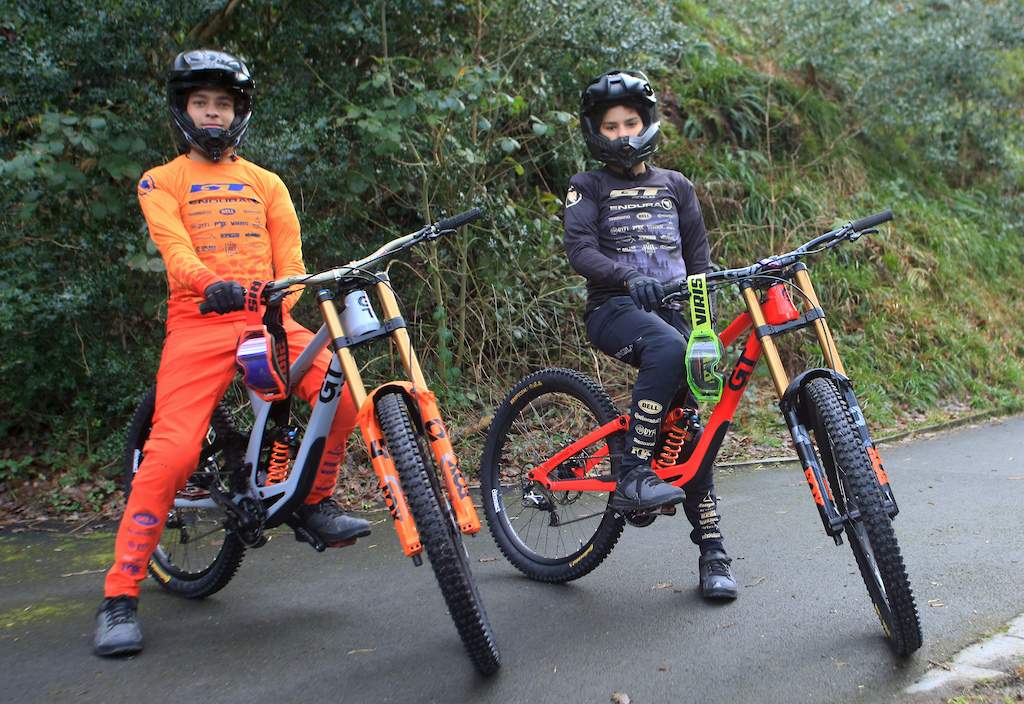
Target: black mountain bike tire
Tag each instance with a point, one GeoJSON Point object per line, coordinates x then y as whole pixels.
{"type": "Point", "coordinates": [868, 528]}
{"type": "Point", "coordinates": [550, 537]}
{"type": "Point", "coordinates": [197, 555]}
{"type": "Point", "coordinates": [439, 533]}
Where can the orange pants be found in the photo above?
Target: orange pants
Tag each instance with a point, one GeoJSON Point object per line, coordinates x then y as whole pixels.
{"type": "Point", "coordinates": [196, 367]}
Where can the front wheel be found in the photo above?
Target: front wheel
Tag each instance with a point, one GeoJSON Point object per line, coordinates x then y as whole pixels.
{"type": "Point", "coordinates": [859, 499]}
{"type": "Point", "coordinates": [439, 533]}
{"type": "Point", "coordinates": [197, 555]}
{"type": "Point", "coordinates": [551, 536]}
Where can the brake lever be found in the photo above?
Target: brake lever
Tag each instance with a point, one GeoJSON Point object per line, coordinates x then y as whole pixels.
{"type": "Point", "coordinates": [674, 296]}
{"type": "Point", "coordinates": [433, 234]}
{"type": "Point", "coordinates": [857, 235]}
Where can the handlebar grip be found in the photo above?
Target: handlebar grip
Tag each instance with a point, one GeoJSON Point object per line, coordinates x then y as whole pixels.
{"type": "Point", "coordinates": [457, 221]}
{"type": "Point", "coordinates": [872, 220]}
{"type": "Point", "coordinates": [674, 287]}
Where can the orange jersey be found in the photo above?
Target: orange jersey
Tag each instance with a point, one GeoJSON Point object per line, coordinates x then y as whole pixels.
{"type": "Point", "coordinates": [230, 221]}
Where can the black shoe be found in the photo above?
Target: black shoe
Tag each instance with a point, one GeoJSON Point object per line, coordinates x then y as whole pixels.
{"type": "Point", "coordinates": [117, 627]}
{"type": "Point", "coordinates": [716, 580]}
{"type": "Point", "coordinates": [640, 489]}
{"type": "Point", "coordinates": [331, 524]}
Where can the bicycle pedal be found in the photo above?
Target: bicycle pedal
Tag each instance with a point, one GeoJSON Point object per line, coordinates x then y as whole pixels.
{"type": "Point", "coordinates": [666, 510]}
{"type": "Point", "coordinates": [342, 544]}
{"type": "Point", "coordinates": [304, 536]}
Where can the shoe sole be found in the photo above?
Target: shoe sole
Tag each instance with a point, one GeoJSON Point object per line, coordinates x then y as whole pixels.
{"type": "Point", "coordinates": [107, 651]}
{"type": "Point", "coordinates": [643, 506]}
{"type": "Point", "coordinates": [343, 540]}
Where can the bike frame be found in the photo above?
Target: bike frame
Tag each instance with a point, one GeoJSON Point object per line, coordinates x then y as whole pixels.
{"type": "Point", "coordinates": [282, 499]}
{"type": "Point", "coordinates": [768, 323]}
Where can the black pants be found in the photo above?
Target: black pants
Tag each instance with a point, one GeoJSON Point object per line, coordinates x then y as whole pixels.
{"type": "Point", "coordinates": [655, 343]}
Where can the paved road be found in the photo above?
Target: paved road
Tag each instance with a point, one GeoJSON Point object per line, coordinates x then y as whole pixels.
{"type": "Point", "coordinates": [362, 624]}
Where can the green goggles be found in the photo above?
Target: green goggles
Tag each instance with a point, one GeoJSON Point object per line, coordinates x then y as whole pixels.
{"type": "Point", "coordinates": [704, 351]}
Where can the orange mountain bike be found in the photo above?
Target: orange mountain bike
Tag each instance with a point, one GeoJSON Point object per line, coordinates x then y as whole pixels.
{"type": "Point", "coordinates": [258, 464]}
{"type": "Point", "coordinates": [552, 452]}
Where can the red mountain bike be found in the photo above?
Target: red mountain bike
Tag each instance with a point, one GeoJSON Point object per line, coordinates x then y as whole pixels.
{"type": "Point", "coordinates": [552, 452]}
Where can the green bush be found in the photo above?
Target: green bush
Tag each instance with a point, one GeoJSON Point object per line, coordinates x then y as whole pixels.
{"type": "Point", "coordinates": [383, 116]}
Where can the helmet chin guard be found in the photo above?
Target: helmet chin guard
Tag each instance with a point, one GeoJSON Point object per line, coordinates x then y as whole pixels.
{"type": "Point", "coordinates": [620, 87]}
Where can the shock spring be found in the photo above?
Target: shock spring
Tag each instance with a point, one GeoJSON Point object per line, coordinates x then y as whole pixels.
{"type": "Point", "coordinates": [280, 456]}
{"type": "Point", "coordinates": [679, 428]}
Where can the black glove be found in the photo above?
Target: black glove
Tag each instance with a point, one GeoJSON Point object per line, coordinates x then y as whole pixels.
{"type": "Point", "coordinates": [646, 291]}
{"type": "Point", "coordinates": [225, 296]}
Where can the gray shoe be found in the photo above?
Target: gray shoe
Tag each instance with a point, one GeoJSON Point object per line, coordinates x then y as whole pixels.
{"type": "Point", "coordinates": [716, 580]}
{"type": "Point", "coordinates": [117, 627]}
{"type": "Point", "coordinates": [331, 524]}
{"type": "Point", "coordinates": [641, 489]}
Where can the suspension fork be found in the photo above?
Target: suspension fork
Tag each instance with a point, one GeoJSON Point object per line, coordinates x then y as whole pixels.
{"type": "Point", "coordinates": [380, 458]}
{"type": "Point", "coordinates": [433, 427]}
{"type": "Point", "coordinates": [821, 330]}
{"type": "Point", "coordinates": [846, 389]}
{"type": "Point", "coordinates": [831, 356]}
{"type": "Point", "coordinates": [815, 475]}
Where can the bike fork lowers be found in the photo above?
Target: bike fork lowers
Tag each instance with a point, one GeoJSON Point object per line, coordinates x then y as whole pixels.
{"type": "Point", "coordinates": [423, 403]}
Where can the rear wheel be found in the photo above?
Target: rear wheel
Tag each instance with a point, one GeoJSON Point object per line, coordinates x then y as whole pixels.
{"type": "Point", "coordinates": [439, 533]}
{"type": "Point", "coordinates": [198, 554]}
{"type": "Point", "coordinates": [857, 496]}
{"type": "Point", "coordinates": [551, 536]}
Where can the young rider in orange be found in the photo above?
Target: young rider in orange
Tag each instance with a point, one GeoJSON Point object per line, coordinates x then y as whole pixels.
{"type": "Point", "coordinates": [220, 222]}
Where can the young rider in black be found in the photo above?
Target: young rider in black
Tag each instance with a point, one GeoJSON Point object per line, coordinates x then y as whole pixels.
{"type": "Point", "coordinates": [629, 229]}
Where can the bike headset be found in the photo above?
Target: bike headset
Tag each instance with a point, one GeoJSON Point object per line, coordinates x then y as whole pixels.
{"type": "Point", "coordinates": [203, 68]}
{"type": "Point", "coordinates": [630, 89]}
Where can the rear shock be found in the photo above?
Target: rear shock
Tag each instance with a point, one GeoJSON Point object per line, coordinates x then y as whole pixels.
{"type": "Point", "coordinates": [680, 427]}
{"type": "Point", "coordinates": [281, 453]}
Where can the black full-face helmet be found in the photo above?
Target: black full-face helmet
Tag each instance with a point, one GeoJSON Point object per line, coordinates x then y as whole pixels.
{"type": "Point", "coordinates": [620, 87]}
{"type": "Point", "coordinates": [202, 68]}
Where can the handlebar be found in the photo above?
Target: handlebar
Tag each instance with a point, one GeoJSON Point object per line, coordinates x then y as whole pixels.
{"type": "Point", "coordinates": [850, 231]}
{"type": "Point", "coordinates": [430, 232]}
{"type": "Point", "coordinates": [871, 221]}
{"type": "Point", "coordinates": [457, 221]}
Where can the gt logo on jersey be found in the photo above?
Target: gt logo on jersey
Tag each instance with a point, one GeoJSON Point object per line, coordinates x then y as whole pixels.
{"type": "Point", "coordinates": [636, 192]}
{"type": "Point", "coordinates": [572, 197]}
{"type": "Point", "coordinates": [201, 187]}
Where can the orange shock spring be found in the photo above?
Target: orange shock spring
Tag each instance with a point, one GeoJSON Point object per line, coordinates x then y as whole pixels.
{"type": "Point", "coordinates": [680, 427]}
{"type": "Point", "coordinates": [280, 456]}
{"type": "Point", "coordinates": [672, 437]}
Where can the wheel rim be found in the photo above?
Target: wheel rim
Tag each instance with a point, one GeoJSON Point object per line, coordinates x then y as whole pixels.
{"type": "Point", "coordinates": [552, 527]}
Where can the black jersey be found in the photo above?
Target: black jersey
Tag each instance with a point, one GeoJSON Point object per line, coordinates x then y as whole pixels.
{"type": "Point", "coordinates": [615, 225]}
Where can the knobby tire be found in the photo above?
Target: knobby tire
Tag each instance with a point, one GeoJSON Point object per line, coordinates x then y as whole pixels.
{"type": "Point", "coordinates": [197, 555]}
{"type": "Point", "coordinates": [857, 495]}
{"type": "Point", "coordinates": [439, 533]}
{"type": "Point", "coordinates": [550, 536]}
